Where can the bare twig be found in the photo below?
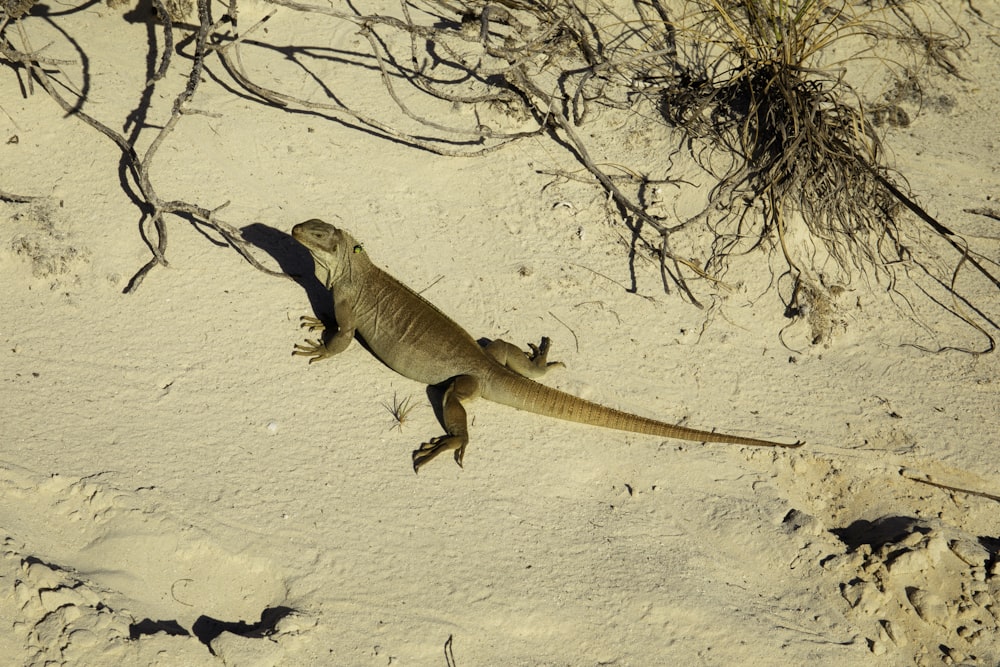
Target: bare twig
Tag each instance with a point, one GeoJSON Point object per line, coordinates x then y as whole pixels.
{"type": "Point", "coordinates": [156, 209]}
{"type": "Point", "coordinates": [168, 43]}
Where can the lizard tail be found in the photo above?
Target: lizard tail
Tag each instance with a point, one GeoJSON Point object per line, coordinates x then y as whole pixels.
{"type": "Point", "coordinates": [508, 388]}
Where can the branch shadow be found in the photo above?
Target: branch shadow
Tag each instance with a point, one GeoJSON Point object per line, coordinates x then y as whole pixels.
{"type": "Point", "coordinates": [295, 261]}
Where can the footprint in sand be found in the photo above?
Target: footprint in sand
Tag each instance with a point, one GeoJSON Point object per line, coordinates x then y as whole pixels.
{"type": "Point", "coordinates": [102, 580]}
{"type": "Point", "coordinates": [916, 560]}
{"type": "Point", "coordinates": [922, 586]}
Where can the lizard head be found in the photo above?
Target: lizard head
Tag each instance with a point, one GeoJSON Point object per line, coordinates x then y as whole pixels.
{"type": "Point", "coordinates": [332, 249]}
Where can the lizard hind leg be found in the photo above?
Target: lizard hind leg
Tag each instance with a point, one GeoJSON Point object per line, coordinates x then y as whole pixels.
{"type": "Point", "coordinates": [462, 388]}
{"type": "Point", "coordinates": [529, 365]}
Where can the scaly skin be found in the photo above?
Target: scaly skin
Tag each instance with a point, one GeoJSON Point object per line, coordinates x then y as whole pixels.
{"type": "Point", "coordinates": [415, 339]}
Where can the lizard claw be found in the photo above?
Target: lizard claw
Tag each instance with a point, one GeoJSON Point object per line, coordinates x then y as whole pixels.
{"type": "Point", "coordinates": [314, 348]}
{"type": "Point", "coordinates": [311, 323]}
{"type": "Point", "coordinates": [540, 354]}
{"type": "Point", "coordinates": [311, 348]}
{"type": "Point", "coordinates": [428, 450]}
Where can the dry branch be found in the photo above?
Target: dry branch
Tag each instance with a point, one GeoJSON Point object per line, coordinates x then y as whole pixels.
{"type": "Point", "coordinates": [155, 209]}
{"type": "Point", "coordinates": [748, 85]}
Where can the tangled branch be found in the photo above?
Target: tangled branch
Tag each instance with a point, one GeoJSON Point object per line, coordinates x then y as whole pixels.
{"type": "Point", "coordinates": [154, 209]}
{"type": "Point", "coordinates": [750, 89]}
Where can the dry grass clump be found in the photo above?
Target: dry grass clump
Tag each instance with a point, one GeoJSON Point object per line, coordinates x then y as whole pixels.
{"type": "Point", "coordinates": [14, 9]}
{"type": "Point", "coordinates": [767, 87]}
{"type": "Point", "coordinates": [768, 94]}
{"type": "Point", "coordinates": [794, 134]}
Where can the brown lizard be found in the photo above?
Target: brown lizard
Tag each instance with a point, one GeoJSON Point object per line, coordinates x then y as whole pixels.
{"type": "Point", "coordinates": [415, 339]}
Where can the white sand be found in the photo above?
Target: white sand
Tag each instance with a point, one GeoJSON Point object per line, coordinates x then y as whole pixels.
{"type": "Point", "coordinates": [165, 460]}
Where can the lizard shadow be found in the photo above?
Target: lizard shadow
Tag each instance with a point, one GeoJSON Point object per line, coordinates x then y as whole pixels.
{"type": "Point", "coordinates": [296, 262]}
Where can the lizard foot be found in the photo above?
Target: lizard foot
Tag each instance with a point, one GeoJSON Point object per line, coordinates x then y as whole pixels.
{"type": "Point", "coordinates": [442, 443]}
{"type": "Point", "coordinates": [540, 354]}
{"type": "Point", "coordinates": [311, 323]}
{"type": "Point", "coordinates": [530, 364]}
{"type": "Point", "coordinates": [311, 348]}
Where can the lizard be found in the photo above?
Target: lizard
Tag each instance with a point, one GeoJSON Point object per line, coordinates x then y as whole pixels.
{"type": "Point", "coordinates": [414, 338]}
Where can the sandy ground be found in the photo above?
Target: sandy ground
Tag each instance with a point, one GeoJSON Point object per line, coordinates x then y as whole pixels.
{"type": "Point", "coordinates": [177, 489]}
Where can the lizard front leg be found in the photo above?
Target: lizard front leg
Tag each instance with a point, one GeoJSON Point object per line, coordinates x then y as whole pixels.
{"type": "Point", "coordinates": [530, 366]}
{"type": "Point", "coordinates": [456, 425]}
{"type": "Point", "coordinates": [328, 346]}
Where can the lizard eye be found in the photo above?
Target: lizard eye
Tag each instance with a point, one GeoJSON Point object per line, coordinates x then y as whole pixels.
{"type": "Point", "coordinates": [358, 249]}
